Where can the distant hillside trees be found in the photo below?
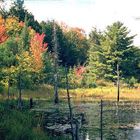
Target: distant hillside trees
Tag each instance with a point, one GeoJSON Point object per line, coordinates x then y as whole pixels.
{"type": "Point", "coordinates": [94, 57]}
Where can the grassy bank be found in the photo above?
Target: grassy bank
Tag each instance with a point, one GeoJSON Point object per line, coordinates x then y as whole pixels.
{"type": "Point", "coordinates": [106, 93]}
{"type": "Point", "coordinates": [21, 124]}
{"type": "Point", "coordinates": [16, 124]}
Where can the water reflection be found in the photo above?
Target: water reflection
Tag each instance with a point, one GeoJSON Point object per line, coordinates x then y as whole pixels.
{"type": "Point", "coordinates": [135, 135]}
{"type": "Point", "coordinates": [120, 121]}
{"type": "Point", "coordinates": [87, 137]}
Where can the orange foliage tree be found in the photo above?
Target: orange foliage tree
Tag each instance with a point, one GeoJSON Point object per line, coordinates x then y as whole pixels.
{"type": "Point", "coordinates": [3, 35]}
{"type": "Point", "coordinates": [9, 27]}
{"type": "Point", "coordinates": [37, 47]}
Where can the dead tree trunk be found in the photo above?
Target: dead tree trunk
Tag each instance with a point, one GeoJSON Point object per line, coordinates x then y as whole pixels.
{"type": "Point", "coordinates": [118, 83]}
{"type": "Point", "coordinates": [69, 104]}
{"type": "Point", "coordinates": [19, 87]}
{"type": "Point", "coordinates": [56, 98]}
{"type": "Point", "coordinates": [101, 120]}
{"type": "Point", "coordinates": [8, 89]}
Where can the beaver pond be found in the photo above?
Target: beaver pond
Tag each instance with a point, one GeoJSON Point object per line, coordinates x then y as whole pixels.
{"type": "Point", "coordinates": [120, 121]}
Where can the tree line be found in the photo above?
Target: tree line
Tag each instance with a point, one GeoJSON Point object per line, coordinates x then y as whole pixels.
{"type": "Point", "coordinates": [28, 52]}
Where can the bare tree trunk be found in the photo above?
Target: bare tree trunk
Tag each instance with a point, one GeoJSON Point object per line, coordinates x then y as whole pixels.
{"type": "Point", "coordinates": [69, 104]}
{"type": "Point", "coordinates": [19, 99]}
{"type": "Point", "coordinates": [101, 120]}
{"type": "Point", "coordinates": [56, 98]}
{"type": "Point", "coordinates": [118, 83]}
{"type": "Point", "coordinates": [8, 89]}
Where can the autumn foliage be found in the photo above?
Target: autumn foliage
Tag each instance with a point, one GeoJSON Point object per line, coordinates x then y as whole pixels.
{"type": "Point", "coordinates": [79, 71]}
{"type": "Point", "coordinates": [3, 35]}
{"type": "Point", "coordinates": [80, 32]}
{"type": "Point", "coordinates": [37, 47]}
{"type": "Point", "coordinates": [9, 27]}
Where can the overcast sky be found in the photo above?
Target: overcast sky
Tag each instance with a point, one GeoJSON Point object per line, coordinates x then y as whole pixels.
{"type": "Point", "coordinates": [89, 13]}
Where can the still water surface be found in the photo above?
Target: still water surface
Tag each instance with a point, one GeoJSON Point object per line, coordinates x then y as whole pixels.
{"type": "Point", "coordinates": [121, 121]}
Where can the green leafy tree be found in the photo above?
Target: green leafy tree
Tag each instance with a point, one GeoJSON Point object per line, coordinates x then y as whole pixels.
{"type": "Point", "coordinates": [72, 43]}
{"type": "Point", "coordinates": [18, 10]}
{"type": "Point", "coordinates": [47, 28]}
{"type": "Point", "coordinates": [77, 47]}
{"type": "Point", "coordinates": [8, 51]}
{"type": "Point", "coordinates": [95, 61]}
{"type": "Point", "coordinates": [114, 46]}
{"type": "Point", "coordinates": [131, 66]}
{"type": "Point", "coordinates": [117, 46]}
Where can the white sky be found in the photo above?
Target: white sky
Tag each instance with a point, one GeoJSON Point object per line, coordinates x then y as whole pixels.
{"type": "Point", "coordinates": [89, 13]}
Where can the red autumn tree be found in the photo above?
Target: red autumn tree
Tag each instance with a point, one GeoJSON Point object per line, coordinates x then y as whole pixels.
{"type": "Point", "coordinates": [37, 47]}
{"type": "Point", "coordinates": [3, 35]}
{"type": "Point", "coordinates": [79, 71]}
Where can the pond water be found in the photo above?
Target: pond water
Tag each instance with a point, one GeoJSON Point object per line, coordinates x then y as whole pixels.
{"type": "Point", "coordinates": [120, 121]}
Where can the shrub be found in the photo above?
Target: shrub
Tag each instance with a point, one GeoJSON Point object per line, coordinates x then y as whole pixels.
{"type": "Point", "coordinates": [131, 82]}
{"type": "Point", "coordinates": [18, 125]}
{"type": "Point", "coordinates": [1, 89]}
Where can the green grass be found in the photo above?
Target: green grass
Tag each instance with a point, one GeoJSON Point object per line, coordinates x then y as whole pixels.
{"type": "Point", "coordinates": [45, 92]}
{"type": "Point", "coordinates": [105, 93]}
{"type": "Point", "coordinates": [21, 124]}
{"type": "Point", "coordinates": [15, 124]}
{"type": "Point", "coordinates": [18, 125]}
